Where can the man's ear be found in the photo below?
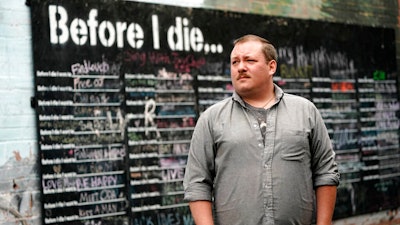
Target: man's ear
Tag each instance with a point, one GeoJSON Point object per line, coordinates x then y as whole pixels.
{"type": "Point", "coordinates": [272, 66]}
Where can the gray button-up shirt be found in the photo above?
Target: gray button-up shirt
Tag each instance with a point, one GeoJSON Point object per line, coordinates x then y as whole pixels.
{"type": "Point", "coordinates": [255, 183]}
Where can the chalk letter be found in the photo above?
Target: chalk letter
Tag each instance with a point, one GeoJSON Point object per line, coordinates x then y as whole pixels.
{"type": "Point", "coordinates": [196, 39]}
{"type": "Point", "coordinates": [121, 27]}
{"type": "Point", "coordinates": [106, 26]}
{"type": "Point", "coordinates": [156, 35]}
{"type": "Point", "coordinates": [172, 31]}
{"type": "Point", "coordinates": [135, 35]}
{"type": "Point", "coordinates": [92, 23]}
{"type": "Point", "coordinates": [79, 31]}
{"type": "Point", "coordinates": [60, 25]}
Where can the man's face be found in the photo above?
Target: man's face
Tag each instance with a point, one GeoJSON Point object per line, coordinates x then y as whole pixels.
{"type": "Point", "coordinates": [251, 74]}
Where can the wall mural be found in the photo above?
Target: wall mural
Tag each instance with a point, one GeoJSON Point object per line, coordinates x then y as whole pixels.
{"type": "Point", "coordinates": [119, 86]}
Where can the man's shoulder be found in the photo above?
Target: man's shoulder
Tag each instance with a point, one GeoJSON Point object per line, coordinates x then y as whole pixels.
{"type": "Point", "coordinates": [299, 101]}
{"type": "Point", "coordinates": [219, 105]}
{"type": "Point", "coordinates": [294, 97]}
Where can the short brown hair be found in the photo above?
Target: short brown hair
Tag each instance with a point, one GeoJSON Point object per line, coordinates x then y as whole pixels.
{"type": "Point", "coordinates": [268, 49]}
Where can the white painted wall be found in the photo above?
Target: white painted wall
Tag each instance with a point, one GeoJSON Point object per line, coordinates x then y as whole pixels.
{"type": "Point", "coordinates": [19, 181]}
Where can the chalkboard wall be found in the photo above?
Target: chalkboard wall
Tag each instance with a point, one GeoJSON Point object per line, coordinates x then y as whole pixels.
{"type": "Point", "coordinates": [119, 86]}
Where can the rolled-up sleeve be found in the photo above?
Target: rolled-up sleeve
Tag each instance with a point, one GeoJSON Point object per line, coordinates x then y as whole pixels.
{"type": "Point", "coordinates": [199, 172]}
{"type": "Point", "coordinates": [324, 166]}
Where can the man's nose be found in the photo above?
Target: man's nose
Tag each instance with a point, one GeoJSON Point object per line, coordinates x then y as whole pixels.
{"type": "Point", "coordinates": [241, 67]}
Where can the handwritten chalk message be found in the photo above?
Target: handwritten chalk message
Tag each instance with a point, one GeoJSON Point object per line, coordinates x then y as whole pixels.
{"type": "Point", "coordinates": [79, 183]}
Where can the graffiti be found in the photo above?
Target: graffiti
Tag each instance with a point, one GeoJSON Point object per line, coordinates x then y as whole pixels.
{"type": "Point", "coordinates": [20, 198]}
{"type": "Point", "coordinates": [99, 76]}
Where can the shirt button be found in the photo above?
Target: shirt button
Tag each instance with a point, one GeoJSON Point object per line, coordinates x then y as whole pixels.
{"type": "Point", "coordinates": [260, 145]}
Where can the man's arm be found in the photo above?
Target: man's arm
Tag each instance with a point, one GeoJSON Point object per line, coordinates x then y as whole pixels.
{"type": "Point", "coordinates": [202, 212]}
{"type": "Point", "coordinates": [326, 199]}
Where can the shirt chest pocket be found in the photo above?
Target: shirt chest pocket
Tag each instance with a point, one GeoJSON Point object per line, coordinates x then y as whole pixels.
{"type": "Point", "coordinates": [293, 145]}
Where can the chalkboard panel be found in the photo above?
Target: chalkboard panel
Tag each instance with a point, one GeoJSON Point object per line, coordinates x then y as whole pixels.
{"type": "Point", "coordinates": [120, 85]}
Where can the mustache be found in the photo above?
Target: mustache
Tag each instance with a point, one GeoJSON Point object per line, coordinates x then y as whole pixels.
{"type": "Point", "coordinates": [242, 75]}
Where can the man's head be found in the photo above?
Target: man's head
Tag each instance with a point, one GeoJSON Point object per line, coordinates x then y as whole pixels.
{"type": "Point", "coordinates": [267, 48]}
{"type": "Point", "coordinates": [253, 64]}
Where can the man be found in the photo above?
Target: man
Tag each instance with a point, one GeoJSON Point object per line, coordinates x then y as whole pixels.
{"type": "Point", "coordinates": [261, 156]}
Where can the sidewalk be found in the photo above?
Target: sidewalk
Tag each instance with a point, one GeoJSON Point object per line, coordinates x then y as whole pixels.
{"type": "Point", "coordinates": [380, 218]}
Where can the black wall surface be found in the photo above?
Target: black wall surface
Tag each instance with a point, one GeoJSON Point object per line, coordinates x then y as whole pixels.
{"type": "Point", "coordinates": [119, 86]}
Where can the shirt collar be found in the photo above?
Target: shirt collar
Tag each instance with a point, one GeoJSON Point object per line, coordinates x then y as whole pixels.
{"type": "Point", "coordinates": [278, 95]}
